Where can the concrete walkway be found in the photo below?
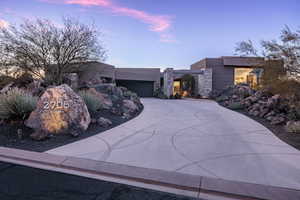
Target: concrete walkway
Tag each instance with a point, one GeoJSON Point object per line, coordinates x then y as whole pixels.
{"type": "Point", "coordinates": [196, 137]}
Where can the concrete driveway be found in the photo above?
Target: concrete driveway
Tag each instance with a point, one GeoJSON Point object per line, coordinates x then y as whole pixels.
{"type": "Point", "coordinates": [197, 137]}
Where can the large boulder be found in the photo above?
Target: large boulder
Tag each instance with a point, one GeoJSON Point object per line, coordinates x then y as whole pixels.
{"type": "Point", "coordinates": [59, 110]}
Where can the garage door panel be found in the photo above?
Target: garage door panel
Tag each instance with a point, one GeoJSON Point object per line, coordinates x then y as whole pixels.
{"type": "Point", "coordinates": [142, 88]}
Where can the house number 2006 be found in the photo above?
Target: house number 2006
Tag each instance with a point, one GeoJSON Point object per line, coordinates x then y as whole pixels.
{"type": "Point", "coordinates": [56, 104]}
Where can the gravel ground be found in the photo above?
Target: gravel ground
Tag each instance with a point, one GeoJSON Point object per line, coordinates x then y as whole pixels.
{"type": "Point", "coordinates": [9, 138]}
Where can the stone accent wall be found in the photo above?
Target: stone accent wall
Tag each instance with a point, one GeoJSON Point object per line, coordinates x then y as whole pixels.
{"type": "Point", "coordinates": [168, 82]}
{"type": "Point", "coordinates": [205, 83]}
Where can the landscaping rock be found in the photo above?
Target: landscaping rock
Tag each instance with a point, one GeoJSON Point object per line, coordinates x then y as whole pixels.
{"type": "Point", "coordinates": [263, 112]}
{"type": "Point", "coordinates": [129, 106]}
{"type": "Point", "coordinates": [116, 111]}
{"type": "Point", "coordinates": [59, 110]}
{"type": "Point", "coordinates": [117, 100]}
{"type": "Point", "coordinates": [243, 91]}
{"type": "Point", "coordinates": [293, 126]}
{"type": "Point", "coordinates": [277, 120]}
{"type": "Point", "coordinates": [103, 122]}
{"type": "Point", "coordinates": [262, 103]}
{"type": "Point", "coordinates": [39, 135]}
{"type": "Point", "coordinates": [273, 101]}
{"type": "Point", "coordinates": [126, 116]}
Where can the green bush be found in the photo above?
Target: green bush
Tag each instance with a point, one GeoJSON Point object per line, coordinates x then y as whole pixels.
{"type": "Point", "coordinates": [92, 101]}
{"type": "Point", "coordinates": [235, 106]}
{"type": "Point", "coordinates": [16, 104]}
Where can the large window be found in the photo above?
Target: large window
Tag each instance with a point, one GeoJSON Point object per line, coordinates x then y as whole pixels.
{"type": "Point", "coordinates": [246, 75]}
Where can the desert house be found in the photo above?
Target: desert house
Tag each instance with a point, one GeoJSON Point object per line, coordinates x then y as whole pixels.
{"type": "Point", "coordinates": [210, 74]}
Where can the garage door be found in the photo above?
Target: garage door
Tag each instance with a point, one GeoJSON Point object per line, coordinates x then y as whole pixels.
{"type": "Point", "coordinates": [142, 88]}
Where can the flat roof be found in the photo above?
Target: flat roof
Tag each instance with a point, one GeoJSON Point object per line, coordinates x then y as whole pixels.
{"type": "Point", "coordinates": [237, 61]}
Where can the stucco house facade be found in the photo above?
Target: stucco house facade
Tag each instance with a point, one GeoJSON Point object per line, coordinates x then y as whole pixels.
{"type": "Point", "coordinates": [143, 81]}
{"type": "Point", "coordinates": [210, 74]}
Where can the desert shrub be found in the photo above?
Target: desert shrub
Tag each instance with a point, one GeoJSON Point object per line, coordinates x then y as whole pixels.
{"type": "Point", "coordinates": [235, 106]}
{"type": "Point", "coordinates": [16, 104]}
{"type": "Point", "coordinates": [288, 88]}
{"type": "Point", "coordinates": [92, 102]}
{"type": "Point", "coordinates": [158, 93]}
{"type": "Point", "coordinates": [222, 98]}
{"type": "Point", "coordinates": [129, 94]}
{"type": "Point", "coordinates": [273, 71]}
{"type": "Point", "coordinates": [5, 80]}
{"type": "Point", "coordinates": [294, 111]}
{"type": "Point", "coordinates": [276, 81]}
{"type": "Point", "coordinates": [162, 96]}
{"type": "Point", "coordinates": [293, 127]}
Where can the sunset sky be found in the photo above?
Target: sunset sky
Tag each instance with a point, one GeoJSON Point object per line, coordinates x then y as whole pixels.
{"type": "Point", "coordinates": [165, 33]}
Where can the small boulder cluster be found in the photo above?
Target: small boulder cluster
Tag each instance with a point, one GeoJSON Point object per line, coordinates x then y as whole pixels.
{"type": "Point", "coordinates": [259, 103]}
{"type": "Point", "coordinates": [117, 100]}
{"type": "Point", "coordinates": [62, 110]}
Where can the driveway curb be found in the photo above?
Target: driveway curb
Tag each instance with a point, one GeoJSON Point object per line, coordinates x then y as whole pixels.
{"type": "Point", "coordinates": [173, 182]}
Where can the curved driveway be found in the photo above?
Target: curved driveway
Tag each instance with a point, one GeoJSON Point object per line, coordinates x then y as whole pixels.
{"type": "Point", "coordinates": [196, 137]}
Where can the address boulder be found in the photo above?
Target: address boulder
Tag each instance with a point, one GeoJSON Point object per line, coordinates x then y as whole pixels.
{"type": "Point", "coordinates": [59, 110]}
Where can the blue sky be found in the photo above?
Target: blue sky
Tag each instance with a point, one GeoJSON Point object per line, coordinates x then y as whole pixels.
{"type": "Point", "coordinates": [166, 33]}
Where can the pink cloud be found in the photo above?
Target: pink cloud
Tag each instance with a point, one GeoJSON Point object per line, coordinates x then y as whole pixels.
{"type": "Point", "coordinates": [158, 23]}
{"type": "Point", "coordinates": [105, 3]}
{"type": "Point", "coordinates": [3, 23]}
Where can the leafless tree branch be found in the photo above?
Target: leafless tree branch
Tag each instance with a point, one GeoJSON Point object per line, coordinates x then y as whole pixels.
{"type": "Point", "coordinates": [41, 46]}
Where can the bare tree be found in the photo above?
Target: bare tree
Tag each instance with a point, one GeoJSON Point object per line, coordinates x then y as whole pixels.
{"type": "Point", "coordinates": [47, 50]}
{"type": "Point", "coordinates": [246, 48]}
{"type": "Point", "coordinates": [287, 49]}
